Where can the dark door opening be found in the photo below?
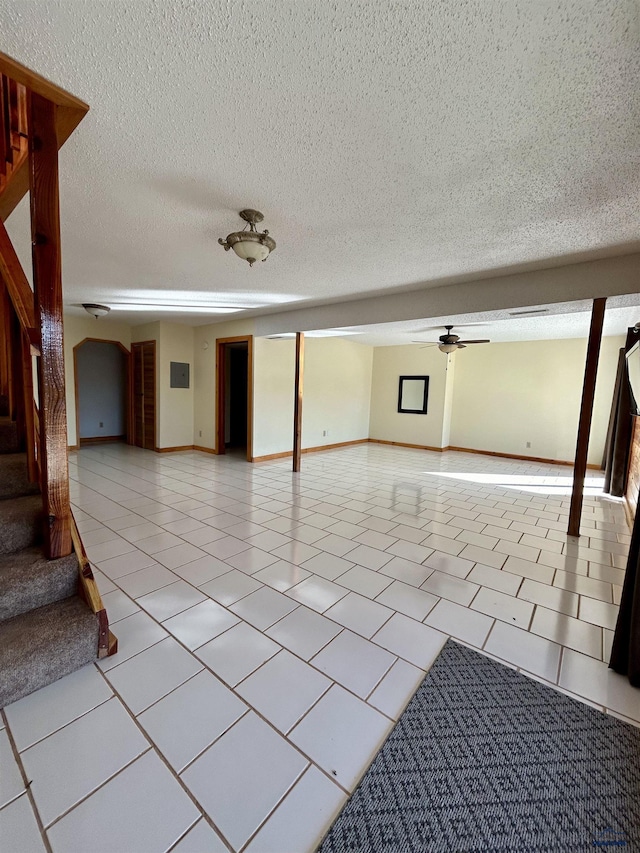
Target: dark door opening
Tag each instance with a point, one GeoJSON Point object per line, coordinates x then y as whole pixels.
{"type": "Point", "coordinates": [102, 391]}
{"type": "Point", "coordinates": [234, 385]}
{"type": "Point", "coordinates": [237, 356]}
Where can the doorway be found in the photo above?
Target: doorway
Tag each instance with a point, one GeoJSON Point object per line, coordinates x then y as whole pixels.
{"type": "Point", "coordinates": [234, 379]}
{"type": "Point", "coordinates": [101, 369]}
{"type": "Point", "coordinates": [144, 394]}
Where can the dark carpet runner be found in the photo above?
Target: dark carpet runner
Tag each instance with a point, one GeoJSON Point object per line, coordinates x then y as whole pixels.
{"type": "Point", "coordinates": [486, 759]}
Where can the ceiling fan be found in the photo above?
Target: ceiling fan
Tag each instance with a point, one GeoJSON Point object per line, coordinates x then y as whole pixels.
{"type": "Point", "coordinates": [450, 343]}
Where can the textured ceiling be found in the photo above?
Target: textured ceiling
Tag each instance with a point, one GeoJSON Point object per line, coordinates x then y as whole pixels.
{"type": "Point", "coordinates": [540, 323]}
{"type": "Point", "coordinates": [388, 145]}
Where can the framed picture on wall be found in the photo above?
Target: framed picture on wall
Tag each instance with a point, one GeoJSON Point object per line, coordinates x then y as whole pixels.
{"type": "Point", "coordinates": [413, 395]}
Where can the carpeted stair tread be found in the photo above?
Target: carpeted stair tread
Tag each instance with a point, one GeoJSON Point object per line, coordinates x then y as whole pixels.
{"type": "Point", "coordinates": [28, 580]}
{"type": "Point", "coordinates": [14, 480]}
{"type": "Point", "coordinates": [21, 522]}
{"type": "Point", "coordinates": [44, 645]}
{"type": "Point", "coordinates": [8, 436]}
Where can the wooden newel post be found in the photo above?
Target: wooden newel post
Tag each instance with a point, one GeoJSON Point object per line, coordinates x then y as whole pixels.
{"type": "Point", "coordinates": [586, 411]}
{"type": "Point", "coordinates": [297, 402]}
{"type": "Point", "coordinates": [47, 280]}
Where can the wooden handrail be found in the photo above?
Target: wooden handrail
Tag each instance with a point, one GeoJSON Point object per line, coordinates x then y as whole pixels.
{"type": "Point", "coordinates": [69, 112]}
{"type": "Point", "coordinates": [107, 642]}
{"type": "Point", "coordinates": [16, 282]}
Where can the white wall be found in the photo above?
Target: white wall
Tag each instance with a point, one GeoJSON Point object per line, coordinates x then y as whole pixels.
{"type": "Point", "coordinates": [76, 329]}
{"type": "Point", "coordinates": [506, 395]}
{"type": "Point", "coordinates": [386, 423]}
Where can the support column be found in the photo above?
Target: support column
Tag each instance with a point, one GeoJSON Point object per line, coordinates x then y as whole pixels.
{"type": "Point", "coordinates": [47, 280]}
{"type": "Point", "coordinates": [297, 402]}
{"type": "Point", "coordinates": [586, 411]}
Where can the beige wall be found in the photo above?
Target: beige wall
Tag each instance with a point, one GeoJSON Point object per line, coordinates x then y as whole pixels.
{"type": "Point", "coordinates": [273, 378]}
{"type": "Point", "coordinates": [337, 388]}
{"type": "Point", "coordinates": [506, 395]}
{"type": "Point", "coordinates": [337, 391]}
{"type": "Point", "coordinates": [176, 404]}
{"type": "Point", "coordinates": [386, 423]}
{"type": "Point", "coordinates": [76, 329]}
{"type": "Point", "coordinates": [499, 398]}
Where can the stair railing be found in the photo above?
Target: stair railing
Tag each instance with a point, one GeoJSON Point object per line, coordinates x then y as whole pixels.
{"type": "Point", "coordinates": [107, 642]}
{"type": "Point", "coordinates": [36, 117]}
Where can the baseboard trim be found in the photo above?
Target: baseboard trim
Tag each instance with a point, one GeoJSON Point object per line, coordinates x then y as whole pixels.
{"type": "Point", "coordinates": [482, 453]}
{"type": "Point", "coordinates": [71, 447]}
{"type": "Point", "coordinates": [101, 439]}
{"type": "Point", "coordinates": [268, 457]}
{"type": "Point", "coordinates": [517, 456]}
{"type": "Point", "coordinates": [318, 449]}
{"type": "Point", "coordinates": [405, 444]}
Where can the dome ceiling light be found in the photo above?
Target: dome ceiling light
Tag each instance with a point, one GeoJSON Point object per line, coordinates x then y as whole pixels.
{"type": "Point", "coordinates": [250, 245]}
{"type": "Point", "coordinates": [96, 310]}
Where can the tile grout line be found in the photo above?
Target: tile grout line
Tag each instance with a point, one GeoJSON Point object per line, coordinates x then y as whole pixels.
{"type": "Point", "coordinates": [26, 782]}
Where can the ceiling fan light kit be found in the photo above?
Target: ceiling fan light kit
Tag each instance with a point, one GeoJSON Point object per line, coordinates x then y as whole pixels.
{"type": "Point", "coordinates": [449, 343]}
{"type": "Point", "coordinates": [251, 245]}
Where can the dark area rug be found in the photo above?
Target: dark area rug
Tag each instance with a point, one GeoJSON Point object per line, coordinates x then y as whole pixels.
{"type": "Point", "coordinates": [483, 759]}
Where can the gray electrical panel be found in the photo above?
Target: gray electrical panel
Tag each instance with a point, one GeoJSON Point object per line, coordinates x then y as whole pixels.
{"type": "Point", "coordinates": [179, 375]}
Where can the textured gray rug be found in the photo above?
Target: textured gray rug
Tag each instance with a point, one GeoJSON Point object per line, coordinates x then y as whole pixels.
{"type": "Point", "coordinates": [484, 759]}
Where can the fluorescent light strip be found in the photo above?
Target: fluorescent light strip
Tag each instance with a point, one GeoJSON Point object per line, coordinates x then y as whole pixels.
{"type": "Point", "coordinates": [175, 309]}
{"type": "Point", "coordinates": [314, 333]}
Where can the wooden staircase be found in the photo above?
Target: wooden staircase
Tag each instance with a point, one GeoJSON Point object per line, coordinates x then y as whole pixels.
{"type": "Point", "coordinates": [52, 620]}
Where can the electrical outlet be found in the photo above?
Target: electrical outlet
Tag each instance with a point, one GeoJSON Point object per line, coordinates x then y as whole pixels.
{"type": "Point", "coordinates": [200, 433]}
{"type": "Point", "coordinates": [101, 424]}
{"type": "Point", "coordinates": [325, 432]}
{"type": "Point", "coordinates": [528, 444]}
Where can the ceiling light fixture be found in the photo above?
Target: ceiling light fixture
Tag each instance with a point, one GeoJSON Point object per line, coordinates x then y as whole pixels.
{"type": "Point", "coordinates": [250, 245]}
{"type": "Point", "coordinates": [152, 307]}
{"type": "Point", "coordinates": [96, 310]}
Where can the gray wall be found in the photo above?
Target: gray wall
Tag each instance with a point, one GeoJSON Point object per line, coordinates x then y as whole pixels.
{"type": "Point", "coordinates": [101, 377]}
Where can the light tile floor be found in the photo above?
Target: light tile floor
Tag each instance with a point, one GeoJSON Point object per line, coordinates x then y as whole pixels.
{"type": "Point", "coordinates": [273, 626]}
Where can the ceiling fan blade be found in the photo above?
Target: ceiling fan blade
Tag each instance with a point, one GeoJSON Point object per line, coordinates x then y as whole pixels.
{"type": "Point", "coordinates": [487, 341]}
{"type": "Point", "coordinates": [462, 346]}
